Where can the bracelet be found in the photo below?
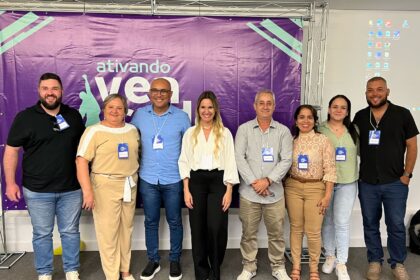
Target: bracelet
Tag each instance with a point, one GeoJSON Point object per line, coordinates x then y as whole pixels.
{"type": "Point", "coordinates": [268, 180]}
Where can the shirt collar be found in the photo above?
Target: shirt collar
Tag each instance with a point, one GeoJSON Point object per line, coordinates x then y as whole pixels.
{"type": "Point", "coordinates": [327, 126]}
{"type": "Point", "coordinates": [255, 123]}
{"type": "Point", "coordinates": [305, 136]}
{"type": "Point", "coordinates": [389, 105]}
{"type": "Point", "coordinates": [169, 111]}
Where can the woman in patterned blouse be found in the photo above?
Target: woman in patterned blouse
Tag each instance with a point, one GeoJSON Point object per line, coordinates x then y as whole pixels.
{"type": "Point", "coordinates": [309, 187]}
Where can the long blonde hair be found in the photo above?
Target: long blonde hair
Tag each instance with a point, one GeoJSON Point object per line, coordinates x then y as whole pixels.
{"type": "Point", "coordinates": [217, 121]}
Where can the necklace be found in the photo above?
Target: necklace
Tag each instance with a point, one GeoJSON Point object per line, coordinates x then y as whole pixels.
{"type": "Point", "coordinates": [336, 128]}
{"type": "Point", "coordinates": [207, 128]}
{"type": "Point", "coordinates": [380, 112]}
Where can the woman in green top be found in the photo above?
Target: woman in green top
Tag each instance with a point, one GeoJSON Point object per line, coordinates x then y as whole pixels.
{"type": "Point", "coordinates": [336, 226]}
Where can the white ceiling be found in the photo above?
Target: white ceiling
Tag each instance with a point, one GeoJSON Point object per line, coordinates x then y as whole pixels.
{"type": "Point", "coordinates": [391, 5]}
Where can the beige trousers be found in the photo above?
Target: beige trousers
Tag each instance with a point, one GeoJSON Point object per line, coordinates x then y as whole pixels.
{"type": "Point", "coordinates": [301, 204]}
{"type": "Point", "coordinates": [114, 221]}
{"type": "Point", "coordinates": [273, 214]}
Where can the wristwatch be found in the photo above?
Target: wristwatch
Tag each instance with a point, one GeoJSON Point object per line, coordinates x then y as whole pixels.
{"type": "Point", "coordinates": [406, 174]}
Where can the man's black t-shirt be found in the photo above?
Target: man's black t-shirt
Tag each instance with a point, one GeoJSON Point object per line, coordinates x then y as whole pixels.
{"type": "Point", "coordinates": [49, 154]}
{"type": "Point", "coordinates": [384, 163]}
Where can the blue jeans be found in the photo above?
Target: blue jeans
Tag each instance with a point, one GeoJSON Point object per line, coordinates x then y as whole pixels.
{"type": "Point", "coordinates": [43, 208]}
{"type": "Point", "coordinates": [393, 197]}
{"type": "Point", "coordinates": [336, 226]}
{"type": "Point", "coordinates": [172, 196]}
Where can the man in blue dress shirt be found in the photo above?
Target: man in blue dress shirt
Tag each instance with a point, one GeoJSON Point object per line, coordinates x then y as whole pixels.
{"type": "Point", "coordinates": [162, 126]}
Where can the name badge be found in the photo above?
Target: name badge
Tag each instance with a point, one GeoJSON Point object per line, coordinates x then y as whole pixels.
{"type": "Point", "coordinates": [157, 142]}
{"type": "Point", "coordinates": [123, 151]}
{"type": "Point", "coordinates": [61, 122]}
{"type": "Point", "coordinates": [303, 161]}
{"type": "Point", "coordinates": [267, 154]}
{"type": "Point", "coordinates": [374, 137]}
{"type": "Point", "coordinates": [340, 154]}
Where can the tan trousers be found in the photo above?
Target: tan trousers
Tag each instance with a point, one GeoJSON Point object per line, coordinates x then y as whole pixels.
{"type": "Point", "coordinates": [273, 214]}
{"type": "Point", "coordinates": [114, 221]}
{"type": "Point", "coordinates": [301, 204]}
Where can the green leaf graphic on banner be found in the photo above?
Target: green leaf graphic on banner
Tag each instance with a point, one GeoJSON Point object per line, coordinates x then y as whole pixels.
{"type": "Point", "coordinates": [298, 22]}
{"type": "Point", "coordinates": [282, 34]}
{"type": "Point", "coordinates": [276, 42]}
{"type": "Point", "coordinates": [18, 27]}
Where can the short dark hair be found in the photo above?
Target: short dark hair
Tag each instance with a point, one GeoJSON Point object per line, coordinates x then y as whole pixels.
{"type": "Point", "coordinates": [376, 78]}
{"type": "Point", "coordinates": [50, 76]}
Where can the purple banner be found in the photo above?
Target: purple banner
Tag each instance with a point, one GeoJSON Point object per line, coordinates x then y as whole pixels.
{"type": "Point", "coordinates": [97, 54]}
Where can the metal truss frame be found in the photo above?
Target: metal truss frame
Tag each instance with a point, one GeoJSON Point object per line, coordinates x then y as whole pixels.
{"type": "Point", "coordinates": [313, 13]}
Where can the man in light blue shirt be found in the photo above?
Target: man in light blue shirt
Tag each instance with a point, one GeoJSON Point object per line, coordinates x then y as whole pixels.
{"type": "Point", "coordinates": [263, 151]}
{"type": "Point", "coordinates": [162, 126]}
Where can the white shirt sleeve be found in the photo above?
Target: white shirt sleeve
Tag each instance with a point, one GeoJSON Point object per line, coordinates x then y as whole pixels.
{"type": "Point", "coordinates": [229, 163]}
{"type": "Point", "coordinates": [185, 158]}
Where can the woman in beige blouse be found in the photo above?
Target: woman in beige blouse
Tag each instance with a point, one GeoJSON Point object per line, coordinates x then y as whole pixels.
{"type": "Point", "coordinates": [308, 189]}
{"type": "Point", "coordinates": [111, 148]}
{"type": "Point", "coordinates": [208, 169]}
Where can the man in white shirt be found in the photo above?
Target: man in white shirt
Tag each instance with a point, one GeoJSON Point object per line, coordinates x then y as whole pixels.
{"type": "Point", "coordinates": [263, 156]}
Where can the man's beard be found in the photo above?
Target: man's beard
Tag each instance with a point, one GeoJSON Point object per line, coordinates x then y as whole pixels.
{"type": "Point", "coordinates": [379, 105]}
{"type": "Point", "coordinates": [50, 106]}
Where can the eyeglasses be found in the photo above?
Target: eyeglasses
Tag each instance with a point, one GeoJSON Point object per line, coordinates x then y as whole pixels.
{"type": "Point", "coordinates": [156, 91]}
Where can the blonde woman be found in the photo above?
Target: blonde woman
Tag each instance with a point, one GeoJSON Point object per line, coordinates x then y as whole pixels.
{"type": "Point", "coordinates": [208, 169]}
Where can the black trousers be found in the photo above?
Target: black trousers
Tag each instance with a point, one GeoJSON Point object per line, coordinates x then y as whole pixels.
{"type": "Point", "coordinates": [209, 224]}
